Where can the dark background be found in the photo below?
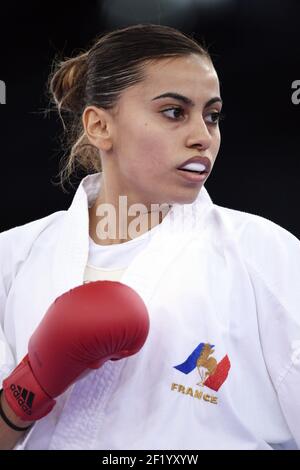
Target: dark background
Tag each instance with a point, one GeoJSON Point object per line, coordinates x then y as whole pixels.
{"type": "Point", "coordinates": [256, 50]}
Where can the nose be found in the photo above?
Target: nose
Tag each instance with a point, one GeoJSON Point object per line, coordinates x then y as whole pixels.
{"type": "Point", "coordinates": [199, 135]}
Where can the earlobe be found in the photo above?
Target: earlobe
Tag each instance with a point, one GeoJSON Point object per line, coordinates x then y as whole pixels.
{"type": "Point", "coordinates": [96, 123]}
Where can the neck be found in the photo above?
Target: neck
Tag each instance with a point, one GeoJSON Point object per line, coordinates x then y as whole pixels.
{"type": "Point", "coordinates": [118, 222]}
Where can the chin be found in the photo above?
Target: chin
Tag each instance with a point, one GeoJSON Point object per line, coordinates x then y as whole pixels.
{"type": "Point", "coordinates": [186, 195]}
{"type": "Point", "coordinates": [188, 198]}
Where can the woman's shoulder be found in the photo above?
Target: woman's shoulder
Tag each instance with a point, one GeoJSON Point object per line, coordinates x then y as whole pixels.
{"type": "Point", "coordinates": [16, 243]}
{"type": "Point", "coordinates": [31, 229]}
{"type": "Point", "coordinates": [264, 245]}
{"type": "Point", "coordinates": [253, 228]}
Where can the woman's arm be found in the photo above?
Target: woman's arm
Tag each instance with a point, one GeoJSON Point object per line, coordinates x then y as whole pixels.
{"type": "Point", "coordinates": [273, 261]}
{"type": "Point", "coordinates": [8, 436]}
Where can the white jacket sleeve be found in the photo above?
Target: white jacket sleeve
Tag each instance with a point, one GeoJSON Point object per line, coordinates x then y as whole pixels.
{"type": "Point", "coordinates": [7, 361]}
{"type": "Point", "coordinates": [273, 259]}
{"type": "Point", "coordinates": [15, 247]}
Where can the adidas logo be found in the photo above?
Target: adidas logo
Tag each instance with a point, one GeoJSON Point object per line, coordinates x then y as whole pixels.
{"type": "Point", "coordinates": [24, 397]}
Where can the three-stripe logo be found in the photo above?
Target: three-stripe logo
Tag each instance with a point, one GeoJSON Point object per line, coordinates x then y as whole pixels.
{"type": "Point", "coordinates": [24, 397]}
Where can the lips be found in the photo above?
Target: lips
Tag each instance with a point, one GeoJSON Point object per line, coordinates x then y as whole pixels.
{"type": "Point", "coordinates": [196, 165]}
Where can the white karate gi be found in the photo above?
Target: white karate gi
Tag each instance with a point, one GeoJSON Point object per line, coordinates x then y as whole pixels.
{"type": "Point", "coordinates": [209, 276]}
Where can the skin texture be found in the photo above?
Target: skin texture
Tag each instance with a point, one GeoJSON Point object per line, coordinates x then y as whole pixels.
{"type": "Point", "coordinates": [9, 437]}
{"type": "Point", "coordinates": [142, 140]}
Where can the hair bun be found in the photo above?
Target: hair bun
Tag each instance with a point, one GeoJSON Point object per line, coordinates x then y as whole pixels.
{"type": "Point", "coordinates": [67, 83]}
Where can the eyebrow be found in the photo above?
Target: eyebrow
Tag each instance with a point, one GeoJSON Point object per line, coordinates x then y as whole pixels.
{"type": "Point", "coordinates": [186, 100]}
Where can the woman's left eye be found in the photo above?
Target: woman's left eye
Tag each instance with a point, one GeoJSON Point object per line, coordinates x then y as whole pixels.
{"type": "Point", "coordinates": [177, 112]}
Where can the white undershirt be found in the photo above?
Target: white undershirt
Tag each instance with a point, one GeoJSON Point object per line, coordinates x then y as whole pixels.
{"type": "Point", "coordinates": [109, 262]}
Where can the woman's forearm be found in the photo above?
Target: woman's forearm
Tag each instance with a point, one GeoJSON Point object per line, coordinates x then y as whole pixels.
{"type": "Point", "coordinates": [8, 436]}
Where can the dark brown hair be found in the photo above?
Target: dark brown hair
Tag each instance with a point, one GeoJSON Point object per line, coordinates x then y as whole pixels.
{"type": "Point", "coordinates": [98, 76]}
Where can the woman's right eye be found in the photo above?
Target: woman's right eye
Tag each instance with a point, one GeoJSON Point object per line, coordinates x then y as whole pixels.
{"type": "Point", "coordinates": [179, 112]}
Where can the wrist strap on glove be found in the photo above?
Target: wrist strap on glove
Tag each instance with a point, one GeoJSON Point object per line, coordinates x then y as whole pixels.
{"type": "Point", "coordinates": [24, 394]}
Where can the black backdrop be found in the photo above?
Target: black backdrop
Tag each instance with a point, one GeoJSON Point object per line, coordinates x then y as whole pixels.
{"type": "Point", "coordinates": [256, 50]}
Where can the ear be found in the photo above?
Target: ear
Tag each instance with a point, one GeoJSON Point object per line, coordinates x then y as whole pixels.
{"type": "Point", "coordinates": [97, 126]}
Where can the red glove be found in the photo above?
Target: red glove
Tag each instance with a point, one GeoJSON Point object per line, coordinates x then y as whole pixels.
{"type": "Point", "coordinates": [81, 330]}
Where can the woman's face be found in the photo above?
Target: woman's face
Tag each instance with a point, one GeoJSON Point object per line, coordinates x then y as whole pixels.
{"type": "Point", "coordinates": [152, 137]}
